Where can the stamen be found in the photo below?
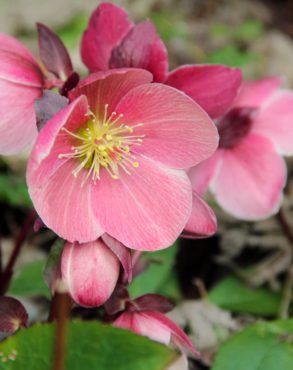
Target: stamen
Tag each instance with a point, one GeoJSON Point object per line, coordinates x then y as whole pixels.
{"type": "Point", "coordinates": [103, 144]}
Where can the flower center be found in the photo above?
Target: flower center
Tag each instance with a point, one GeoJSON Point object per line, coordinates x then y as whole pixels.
{"type": "Point", "coordinates": [104, 143]}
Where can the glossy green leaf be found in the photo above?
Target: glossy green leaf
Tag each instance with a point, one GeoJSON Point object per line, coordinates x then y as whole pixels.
{"type": "Point", "coordinates": [91, 346]}
{"type": "Point", "coordinates": [233, 295]}
{"type": "Point", "coordinates": [263, 346]}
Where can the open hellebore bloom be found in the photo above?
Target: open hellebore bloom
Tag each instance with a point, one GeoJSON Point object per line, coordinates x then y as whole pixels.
{"type": "Point", "coordinates": [90, 272]}
{"type": "Point", "coordinates": [21, 83]}
{"type": "Point", "coordinates": [113, 41]}
{"type": "Point", "coordinates": [113, 161]}
{"type": "Point", "coordinates": [247, 173]}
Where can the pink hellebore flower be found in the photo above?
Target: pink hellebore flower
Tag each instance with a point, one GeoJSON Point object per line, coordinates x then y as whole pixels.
{"type": "Point", "coordinates": [156, 326]}
{"type": "Point", "coordinates": [113, 161]}
{"type": "Point", "coordinates": [247, 173]}
{"type": "Point", "coordinates": [113, 41]}
{"type": "Point", "coordinates": [90, 272]}
{"type": "Point", "coordinates": [21, 83]}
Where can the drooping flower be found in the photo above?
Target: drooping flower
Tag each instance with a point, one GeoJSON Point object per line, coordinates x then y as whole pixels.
{"type": "Point", "coordinates": [247, 173]}
{"type": "Point", "coordinates": [90, 272]}
{"type": "Point", "coordinates": [113, 161]}
{"type": "Point", "coordinates": [21, 83]}
{"type": "Point", "coordinates": [113, 41]}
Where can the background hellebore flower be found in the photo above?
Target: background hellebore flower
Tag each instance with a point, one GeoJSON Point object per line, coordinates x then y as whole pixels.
{"type": "Point", "coordinates": [21, 83]}
{"type": "Point", "coordinates": [90, 272]}
{"type": "Point", "coordinates": [113, 41]}
{"type": "Point", "coordinates": [247, 173]}
{"type": "Point", "coordinates": [113, 161]}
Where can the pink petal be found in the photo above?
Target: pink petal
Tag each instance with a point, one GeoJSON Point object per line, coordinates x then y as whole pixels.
{"type": "Point", "coordinates": [201, 175]}
{"type": "Point", "coordinates": [275, 121]}
{"type": "Point", "coordinates": [18, 128]}
{"type": "Point", "coordinates": [64, 204]}
{"type": "Point", "coordinates": [108, 25]}
{"type": "Point", "coordinates": [59, 198]}
{"type": "Point", "coordinates": [254, 93]}
{"type": "Point", "coordinates": [177, 333]}
{"type": "Point", "coordinates": [90, 272]}
{"type": "Point", "coordinates": [202, 222]}
{"type": "Point", "coordinates": [250, 180]}
{"type": "Point", "coordinates": [177, 131]}
{"type": "Point", "coordinates": [141, 324]}
{"type": "Point", "coordinates": [146, 210]}
{"type": "Point", "coordinates": [142, 48]}
{"type": "Point", "coordinates": [109, 87]}
{"type": "Point", "coordinates": [213, 87]}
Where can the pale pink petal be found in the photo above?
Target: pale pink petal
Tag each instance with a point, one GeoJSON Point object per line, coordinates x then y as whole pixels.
{"type": "Point", "coordinates": [177, 131]}
{"type": "Point", "coordinates": [65, 204]}
{"type": "Point", "coordinates": [142, 48]}
{"type": "Point", "coordinates": [213, 87]}
{"type": "Point", "coordinates": [146, 210]}
{"type": "Point", "coordinates": [90, 272]}
{"type": "Point", "coordinates": [201, 175]}
{"type": "Point", "coordinates": [275, 121]}
{"type": "Point", "coordinates": [107, 27]}
{"type": "Point", "coordinates": [254, 93]}
{"type": "Point", "coordinates": [250, 179]}
{"type": "Point", "coordinates": [177, 333]}
{"type": "Point", "coordinates": [18, 128]}
{"type": "Point", "coordinates": [109, 87]}
{"type": "Point", "coordinates": [202, 222]}
{"type": "Point", "coordinates": [141, 324]}
{"type": "Point", "coordinates": [11, 44]}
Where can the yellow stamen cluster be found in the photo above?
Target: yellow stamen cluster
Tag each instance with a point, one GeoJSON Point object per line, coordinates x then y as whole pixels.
{"type": "Point", "coordinates": [104, 143]}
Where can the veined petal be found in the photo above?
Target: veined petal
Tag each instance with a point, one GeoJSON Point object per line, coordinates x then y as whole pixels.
{"type": "Point", "coordinates": [18, 128]}
{"type": "Point", "coordinates": [109, 87]}
{"type": "Point", "coordinates": [90, 272]}
{"type": "Point", "coordinates": [108, 25]}
{"type": "Point", "coordinates": [249, 181]}
{"type": "Point", "coordinates": [213, 87]}
{"type": "Point", "coordinates": [202, 222]}
{"type": "Point", "coordinates": [177, 131]}
{"type": "Point", "coordinates": [254, 93]}
{"type": "Point", "coordinates": [146, 210]}
{"type": "Point", "coordinates": [64, 204]}
{"type": "Point", "coordinates": [275, 121]}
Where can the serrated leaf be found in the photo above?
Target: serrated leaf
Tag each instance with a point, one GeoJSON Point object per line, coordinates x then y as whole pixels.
{"type": "Point", "coordinates": [91, 346]}
{"type": "Point", "coordinates": [263, 346]}
{"type": "Point", "coordinates": [29, 281]}
{"type": "Point", "coordinates": [233, 295]}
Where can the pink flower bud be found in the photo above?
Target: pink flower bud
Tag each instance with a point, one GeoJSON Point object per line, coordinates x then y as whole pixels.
{"type": "Point", "coordinates": [90, 271]}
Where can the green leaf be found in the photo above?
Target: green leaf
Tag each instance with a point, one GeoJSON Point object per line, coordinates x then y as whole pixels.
{"type": "Point", "coordinates": [168, 25]}
{"type": "Point", "coordinates": [13, 190]}
{"type": "Point", "coordinates": [30, 281]}
{"type": "Point", "coordinates": [231, 56]}
{"type": "Point", "coordinates": [91, 346]}
{"type": "Point", "coordinates": [263, 346]}
{"type": "Point", "coordinates": [233, 295]}
{"type": "Point", "coordinates": [155, 278]}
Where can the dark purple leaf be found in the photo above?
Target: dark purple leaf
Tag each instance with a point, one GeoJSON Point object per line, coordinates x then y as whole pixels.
{"type": "Point", "coordinates": [70, 84]}
{"type": "Point", "coordinates": [121, 252]}
{"type": "Point", "coordinates": [13, 315]}
{"type": "Point", "coordinates": [53, 53]}
{"type": "Point", "coordinates": [47, 106]}
{"type": "Point", "coordinates": [116, 303]}
{"type": "Point", "coordinates": [151, 302]}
